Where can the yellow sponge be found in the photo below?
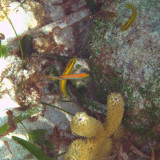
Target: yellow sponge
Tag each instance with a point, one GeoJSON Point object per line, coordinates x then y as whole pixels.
{"type": "Point", "coordinates": [115, 110]}
{"type": "Point", "coordinates": [78, 150]}
{"type": "Point", "coordinates": [84, 125]}
{"type": "Point", "coordinates": [118, 133]}
{"type": "Point", "coordinates": [98, 137]}
{"type": "Point", "coordinates": [99, 148]}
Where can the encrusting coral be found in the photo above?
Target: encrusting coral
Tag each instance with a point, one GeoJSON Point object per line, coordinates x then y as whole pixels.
{"type": "Point", "coordinates": [98, 137]}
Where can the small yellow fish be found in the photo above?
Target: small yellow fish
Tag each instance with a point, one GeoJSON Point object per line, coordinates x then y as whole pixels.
{"type": "Point", "coordinates": [66, 72]}
{"type": "Point", "coordinates": [128, 23]}
{"type": "Point", "coordinates": [66, 76]}
{"type": "Point", "coordinates": [69, 66]}
{"type": "Point", "coordinates": [74, 76]}
{"type": "Point", "coordinates": [63, 78]}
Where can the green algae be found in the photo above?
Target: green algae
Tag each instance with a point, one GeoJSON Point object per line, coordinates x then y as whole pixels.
{"type": "Point", "coordinates": [21, 117]}
{"type": "Point", "coordinates": [36, 151]}
{"type": "Point", "coordinates": [3, 49]}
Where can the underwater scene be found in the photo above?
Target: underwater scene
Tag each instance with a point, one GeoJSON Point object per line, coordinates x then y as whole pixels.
{"type": "Point", "coordinates": [79, 80]}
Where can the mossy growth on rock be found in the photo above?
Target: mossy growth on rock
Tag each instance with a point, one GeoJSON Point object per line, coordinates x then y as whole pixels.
{"type": "Point", "coordinates": [147, 119]}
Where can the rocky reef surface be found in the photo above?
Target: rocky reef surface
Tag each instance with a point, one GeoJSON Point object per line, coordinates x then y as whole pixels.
{"type": "Point", "coordinates": [51, 33]}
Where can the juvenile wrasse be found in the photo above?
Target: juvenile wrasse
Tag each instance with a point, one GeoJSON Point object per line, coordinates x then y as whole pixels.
{"type": "Point", "coordinates": [74, 76]}
{"type": "Point", "coordinates": [66, 72]}
{"type": "Point", "coordinates": [69, 66]}
{"type": "Point", "coordinates": [128, 23]}
{"type": "Point", "coordinates": [65, 77]}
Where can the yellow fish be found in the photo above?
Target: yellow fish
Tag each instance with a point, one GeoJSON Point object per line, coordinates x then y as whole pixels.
{"type": "Point", "coordinates": [63, 78]}
{"type": "Point", "coordinates": [66, 76]}
{"type": "Point", "coordinates": [66, 72]}
{"type": "Point", "coordinates": [74, 76]}
{"type": "Point", "coordinates": [133, 16]}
